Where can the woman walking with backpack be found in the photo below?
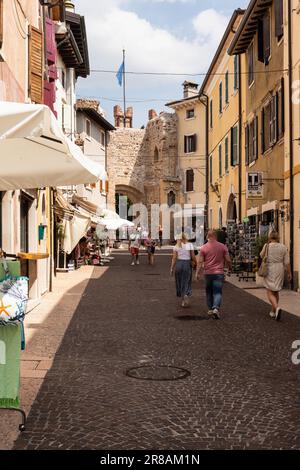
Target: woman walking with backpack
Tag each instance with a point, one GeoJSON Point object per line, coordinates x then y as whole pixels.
{"type": "Point", "coordinates": [182, 260]}
{"type": "Point", "coordinates": [276, 257]}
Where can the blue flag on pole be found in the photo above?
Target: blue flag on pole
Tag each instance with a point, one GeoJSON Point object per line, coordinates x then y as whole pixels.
{"type": "Point", "coordinates": [120, 74]}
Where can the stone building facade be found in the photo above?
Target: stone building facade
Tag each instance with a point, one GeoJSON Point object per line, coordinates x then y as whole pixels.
{"type": "Point", "coordinates": [142, 164]}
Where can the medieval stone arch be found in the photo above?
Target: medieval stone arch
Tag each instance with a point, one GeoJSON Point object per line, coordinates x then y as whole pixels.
{"type": "Point", "coordinates": [231, 208]}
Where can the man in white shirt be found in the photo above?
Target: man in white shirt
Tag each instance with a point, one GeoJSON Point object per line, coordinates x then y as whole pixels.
{"type": "Point", "coordinates": [134, 247]}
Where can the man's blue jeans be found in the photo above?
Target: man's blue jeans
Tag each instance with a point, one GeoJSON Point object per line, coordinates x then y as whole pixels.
{"type": "Point", "coordinates": [214, 285]}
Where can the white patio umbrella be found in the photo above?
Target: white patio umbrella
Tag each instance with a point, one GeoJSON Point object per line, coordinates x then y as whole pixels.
{"type": "Point", "coordinates": [35, 153]}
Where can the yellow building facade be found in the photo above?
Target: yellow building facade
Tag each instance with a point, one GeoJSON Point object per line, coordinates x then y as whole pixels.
{"type": "Point", "coordinates": [191, 120]}
{"type": "Point", "coordinates": [291, 207]}
{"type": "Point", "coordinates": [260, 40]}
{"type": "Point", "coordinates": [222, 88]}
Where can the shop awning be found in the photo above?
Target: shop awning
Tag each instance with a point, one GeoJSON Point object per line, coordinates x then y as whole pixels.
{"type": "Point", "coordinates": [189, 212]}
{"type": "Point", "coordinates": [35, 153]}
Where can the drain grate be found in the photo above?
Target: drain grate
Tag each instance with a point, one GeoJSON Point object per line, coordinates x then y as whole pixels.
{"type": "Point", "coordinates": [157, 373]}
{"type": "Point", "coordinates": [152, 274]}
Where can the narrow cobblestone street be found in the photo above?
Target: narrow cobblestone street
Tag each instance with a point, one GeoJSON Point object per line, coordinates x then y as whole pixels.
{"type": "Point", "coordinates": [242, 392]}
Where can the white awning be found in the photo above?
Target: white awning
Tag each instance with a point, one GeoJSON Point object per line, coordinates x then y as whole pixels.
{"type": "Point", "coordinates": [35, 153]}
{"type": "Point", "coordinates": [188, 212]}
{"type": "Point", "coordinates": [74, 230]}
{"type": "Point", "coordinates": [115, 224]}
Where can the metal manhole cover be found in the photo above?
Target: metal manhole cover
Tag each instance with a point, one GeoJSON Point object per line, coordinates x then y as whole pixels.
{"type": "Point", "coordinates": [159, 373]}
{"type": "Point", "coordinates": [191, 317]}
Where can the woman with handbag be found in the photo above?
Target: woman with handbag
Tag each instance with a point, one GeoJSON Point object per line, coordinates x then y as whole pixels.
{"type": "Point", "coordinates": [183, 261]}
{"type": "Point", "coordinates": [275, 262]}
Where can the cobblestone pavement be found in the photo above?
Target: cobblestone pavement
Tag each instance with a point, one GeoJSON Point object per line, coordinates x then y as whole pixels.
{"type": "Point", "coordinates": [242, 392]}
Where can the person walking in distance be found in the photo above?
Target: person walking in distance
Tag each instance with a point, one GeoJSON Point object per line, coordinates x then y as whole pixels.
{"type": "Point", "coordinates": [278, 262]}
{"type": "Point", "coordinates": [150, 245]}
{"type": "Point", "coordinates": [134, 247]}
{"type": "Point", "coordinates": [160, 236]}
{"type": "Point", "coordinates": [213, 257]}
{"type": "Point", "coordinates": [183, 257]}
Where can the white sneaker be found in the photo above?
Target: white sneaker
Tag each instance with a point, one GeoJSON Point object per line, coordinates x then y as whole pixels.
{"type": "Point", "coordinates": [137, 262]}
{"type": "Point", "coordinates": [186, 300]}
{"type": "Point", "coordinates": [210, 313]}
{"type": "Point", "coordinates": [216, 314]}
{"type": "Point", "coordinates": [272, 314]}
{"type": "Point", "coordinates": [133, 263]}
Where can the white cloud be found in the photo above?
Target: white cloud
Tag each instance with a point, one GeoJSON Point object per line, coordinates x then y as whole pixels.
{"type": "Point", "coordinates": [210, 25]}
{"type": "Point", "coordinates": [111, 28]}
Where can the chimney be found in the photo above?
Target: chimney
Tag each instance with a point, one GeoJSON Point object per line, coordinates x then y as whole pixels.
{"type": "Point", "coordinates": [87, 103]}
{"type": "Point", "coordinates": [129, 118]}
{"type": "Point", "coordinates": [152, 114]}
{"type": "Point", "coordinates": [70, 5]}
{"type": "Point", "coordinates": [119, 116]}
{"type": "Point", "coordinates": [190, 89]}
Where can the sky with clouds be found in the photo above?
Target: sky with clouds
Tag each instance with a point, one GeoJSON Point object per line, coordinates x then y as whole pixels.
{"type": "Point", "coordinates": [168, 36]}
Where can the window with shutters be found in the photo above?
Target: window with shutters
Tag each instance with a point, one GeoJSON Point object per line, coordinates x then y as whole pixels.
{"type": "Point", "coordinates": [264, 38]}
{"type": "Point", "coordinates": [251, 141]}
{"type": "Point", "coordinates": [189, 186]}
{"type": "Point", "coordinates": [220, 161]}
{"type": "Point", "coordinates": [236, 73]}
{"type": "Point", "coordinates": [250, 56]}
{"type": "Point", "coordinates": [279, 19]}
{"type": "Point", "coordinates": [273, 121]}
{"type": "Point", "coordinates": [267, 37]}
{"type": "Point", "coordinates": [211, 114]}
{"type": "Point", "coordinates": [190, 143]}
{"type": "Point", "coordinates": [1, 23]}
{"type": "Point", "coordinates": [106, 186]}
{"type": "Point", "coordinates": [226, 154]}
{"type": "Point", "coordinates": [190, 114]}
{"type": "Point", "coordinates": [227, 87]}
{"type": "Point", "coordinates": [35, 62]}
{"type": "Point", "coordinates": [266, 127]}
{"type": "Point", "coordinates": [234, 146]}
{"type": "Point", "coordinates": [210, 169]}
{"type": "Point", "coordinates": [280, 110]}
{"type": "Point", "coordinates": [221, 98]}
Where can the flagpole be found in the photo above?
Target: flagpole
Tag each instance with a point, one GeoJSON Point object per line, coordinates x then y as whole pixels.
{"type": "Point", "coordinates": [124, 88]}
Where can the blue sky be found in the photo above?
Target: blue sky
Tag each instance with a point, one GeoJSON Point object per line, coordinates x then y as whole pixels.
{"type": "Point", "coordinates": [177, 36]}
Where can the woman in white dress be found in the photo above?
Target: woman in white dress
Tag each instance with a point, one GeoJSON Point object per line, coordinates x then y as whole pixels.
{"type": "Point", "coordinates": [278, 262]}
{"type": "Point", "coordinates": [183, 256]}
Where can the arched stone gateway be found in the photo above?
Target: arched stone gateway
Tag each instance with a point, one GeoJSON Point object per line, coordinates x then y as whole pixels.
{"type": "Point", "coordinates": [135, 196]}
{"type": "Point", "coordinates": [142, 164]}
{"type": "Point", "coordinates": [231, 209]}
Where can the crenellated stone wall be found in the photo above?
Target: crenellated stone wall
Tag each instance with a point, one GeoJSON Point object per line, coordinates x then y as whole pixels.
{"type": "Point", "coordinates": [143, 163]}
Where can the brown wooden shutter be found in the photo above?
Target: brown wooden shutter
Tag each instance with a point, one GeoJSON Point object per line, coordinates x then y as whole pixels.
{"type": "Point", "coordinates": [106, 186]}
{"type": "Point", "coordinates": [256, 138]}
{"type": "Point", "coordinates": [263, 131]}
{"type": "Point", "coordinates": [190, 180]}
{"type": "Point", "coordinates": [260, 41]}
{"type": "Point", "coordinates": [194, 145]}
{"type": "Point", "coordinates": [101, 186]}
{"type": "Point", "coordinates": [1, 23]}
{"type": "Point", "coordinates": [36, 84]}
{"type": "Point", "coordinates": [57, 11]}
{"type": "Point", "coordinates": [282, 122]}
{"type": "Point", "coordinates": [267, 38]}
{"type": "Point", "coordinates": [278, 18]}
{"type": "Point", "coordinates": [247, 144]}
